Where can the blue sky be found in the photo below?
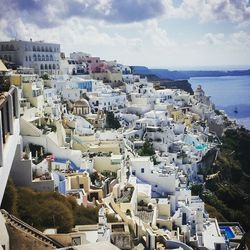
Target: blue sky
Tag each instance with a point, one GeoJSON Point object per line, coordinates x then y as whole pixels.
{"type": "Point", "coordinates": [154, 33]}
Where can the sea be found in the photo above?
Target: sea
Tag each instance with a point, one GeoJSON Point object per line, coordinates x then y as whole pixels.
{"type": "Point", "coordinates": [228, 93]}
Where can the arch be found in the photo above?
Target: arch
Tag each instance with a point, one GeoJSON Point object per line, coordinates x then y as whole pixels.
{"type": "Point", "coordinates": [34, 48]}
{"type": "Point", "coordinates": [46, 49]}
{"type": "Point", "coordinates": [7, 47]}
{"type": "Point", "coordinates": [34, 58]}
{"type": "Point", "coordinates": [50, 49]}
{"type": "Point", "coordinates": [11, 47]}
{"type": "Point", "coordinates": [2, 47]}
{"type": "Point", "coordinates": [46, 66]}
{"type": "Point", "coordinates": [38, 48]}
{"type": "Point", "coordinates": [41, 66]}
{"type": "Point", "coordinates": [51, 58]}
{"type": "Point", "coordinates": [43, 58]}
{"type": "Point", "coordinates": [50, 67]}
{"type": "Point", "coordinates": [42, 49]}
{"type": "Point", "coordinates": [54, 49]}
{"type": "Point", "coordinates": [54, 66]}
{"type": "Point", "coordinates": [39, 58]}
{"type": "Point", "coordinates": [47, 58]}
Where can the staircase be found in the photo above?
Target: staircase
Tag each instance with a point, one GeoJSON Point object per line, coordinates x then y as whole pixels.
{"type": "Point", "coordinates": [26, 228]}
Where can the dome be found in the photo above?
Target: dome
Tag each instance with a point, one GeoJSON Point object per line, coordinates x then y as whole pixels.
{"type": "Point", "coordinates": [82, 103]}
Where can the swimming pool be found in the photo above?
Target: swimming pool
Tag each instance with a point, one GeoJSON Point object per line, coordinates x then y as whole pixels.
{"type": "Point", "coordinates": [201, 146]}
{"type": "Point", "coordinates": [228, 232]}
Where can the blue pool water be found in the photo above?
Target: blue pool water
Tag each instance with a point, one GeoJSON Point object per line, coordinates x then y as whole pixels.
{"type": "Point", "coordinates": [201, 146]}
{"type": "Point", "coordinates": [228, 232]}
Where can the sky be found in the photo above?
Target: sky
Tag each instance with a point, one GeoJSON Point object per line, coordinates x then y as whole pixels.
{"type": "Point", "coordinates": [154, 33]}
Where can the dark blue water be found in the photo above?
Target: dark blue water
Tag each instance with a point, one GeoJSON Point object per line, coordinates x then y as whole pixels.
{"type": "Point", "coordinates": [228, 93]}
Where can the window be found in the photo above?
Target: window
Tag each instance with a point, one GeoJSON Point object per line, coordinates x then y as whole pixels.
{"type": "Point", "coordinates": [142, 170]}
{"type": "Point", "coordinates": [81, 186]}
{"type": "Point", "coordinates": [133, 172]}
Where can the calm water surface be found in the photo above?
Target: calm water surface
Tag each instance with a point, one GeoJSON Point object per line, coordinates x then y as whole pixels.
{"type": "Point", "coordinates": [228, 93]}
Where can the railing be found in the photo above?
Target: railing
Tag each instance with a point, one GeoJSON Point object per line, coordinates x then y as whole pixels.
{"type": "Point", "coordinates": [11, 219]}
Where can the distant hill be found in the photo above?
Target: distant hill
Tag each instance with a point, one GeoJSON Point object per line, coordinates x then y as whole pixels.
{"type": "Point", "coordinates": [186, 74]}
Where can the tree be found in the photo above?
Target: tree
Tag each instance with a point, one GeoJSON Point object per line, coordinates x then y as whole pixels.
{"type": "Point", "coordinates": [9, 202]}
{"type": "Point", "coordinates": [55, 214]}
{"type": "Point", "coordinates": [147, 149]}
{"type": "Point", "coordinates": [112, 121]}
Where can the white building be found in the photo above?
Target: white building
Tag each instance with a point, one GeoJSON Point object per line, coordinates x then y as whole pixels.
{"type": "Point", "coordinates": [43, 57]}
{"type": "Point", "coordinates": [9, 137]}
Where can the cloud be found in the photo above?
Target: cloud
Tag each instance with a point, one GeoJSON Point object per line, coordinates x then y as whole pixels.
{"type": "Point", "coordinates": [234, 11]}
{"type": "Point", "coordinates": [212, 39]}
{"type": "Point", "coordinates": [47, 13]}
{"type": "Point", "coordinates": [157, 35]}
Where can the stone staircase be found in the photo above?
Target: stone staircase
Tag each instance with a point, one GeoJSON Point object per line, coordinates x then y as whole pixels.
{"type": "Point", "coordinates": [29, 230]}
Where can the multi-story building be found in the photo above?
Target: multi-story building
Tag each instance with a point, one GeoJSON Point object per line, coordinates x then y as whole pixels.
{"type": "Point", "coordinates": [43, 57]}
{"type": "Point", "coordinates": [9, 136]}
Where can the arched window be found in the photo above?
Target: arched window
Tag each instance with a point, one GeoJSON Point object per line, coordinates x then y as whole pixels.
{"type": "Point", "coordinates": [12, 47]}
{"type": "Point", "coordinates": [51, 58]}
{"type": "Point", "coordinates": [54, 66]}
{"type": "Point", "coordinates": [46, 49]}
{"type": "Point", "coordinates": [46, 67]}
{"type": "Point", "coordinates": [43, 58]}
{"type": "Point", "coordinates": [2, 47]}
{"type": "Point", "coordinates": [42, 49]}
{"type": "Point", "coordinates": [50, 66]}
{"type": "Point", "coordinates": [7, 47]}
{"type": "Point", "coordinates": [50, 49]}
{"type": "Point", "coordinates": [47, 58]}
{"type": "Point", "coordinates": [41, 66]}
{"type": "Point", "coordinates": [34, 48]}
{"type": "Point", "coordinates": [39, 58]}
{"type": "Point", "coordinates": [34, 58]}
{"type": "Point", "coordinates": [38, 48]}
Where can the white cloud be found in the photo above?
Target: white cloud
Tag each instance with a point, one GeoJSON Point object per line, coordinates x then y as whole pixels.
{"type": "Point", "coordinates": [235, 11]}
{"type": "Point", "coordinates": [212, 39]}
{"type": "Point", "coordinates": [157, 35]}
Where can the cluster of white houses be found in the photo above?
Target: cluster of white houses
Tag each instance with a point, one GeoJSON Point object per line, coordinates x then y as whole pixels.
{"type": "Point", "coordinates": [54, 136]}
